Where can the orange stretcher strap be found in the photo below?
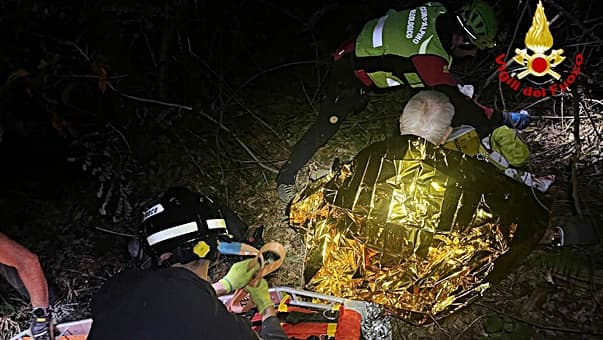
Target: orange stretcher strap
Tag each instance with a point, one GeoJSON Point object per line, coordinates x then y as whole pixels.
{"type": "Point", "coordinates": [241, 302]}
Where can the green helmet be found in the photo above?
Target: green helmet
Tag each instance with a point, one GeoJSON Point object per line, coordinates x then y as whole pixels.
{"type": "Point", "coordinates": [478, 21]}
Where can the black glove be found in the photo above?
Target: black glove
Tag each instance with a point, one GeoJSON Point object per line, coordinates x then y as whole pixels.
{"type": "Point", "coordinates": [41, 324]}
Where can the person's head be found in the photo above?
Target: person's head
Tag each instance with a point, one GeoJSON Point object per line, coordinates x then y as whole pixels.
{"type": "Point", "coordinates": [183, 227]}
{"type": "Point", "coordinates": [427, 114]}
{"type": "Point", "coordinates": [477, 29]}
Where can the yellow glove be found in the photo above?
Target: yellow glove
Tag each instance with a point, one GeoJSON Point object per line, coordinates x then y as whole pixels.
{"type": "Point", "coordinates": [239, 275]}
{"type": "Point", "coordinates": [260, 295]}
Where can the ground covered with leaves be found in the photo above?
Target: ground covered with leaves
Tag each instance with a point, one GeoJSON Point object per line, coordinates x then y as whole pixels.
{"type": "Point", "coordinates": [171, 115]}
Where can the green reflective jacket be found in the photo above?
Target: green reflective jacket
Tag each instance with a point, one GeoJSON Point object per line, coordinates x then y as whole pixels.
{"type": "Point", "coordinates": [402, 33]}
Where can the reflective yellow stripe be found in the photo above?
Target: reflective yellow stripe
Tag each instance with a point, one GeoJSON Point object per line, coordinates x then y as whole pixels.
{"type": "Point", "coordinates": [331, 328]}
{"type": "Point", "coordinates": [392, 82]}
{"type": "Point", "coordinates": [378, 32]}
{"type": "Point", "coordinates": [384, 79]}
{"type": "Point", "coordinates": [423, 47]}
{"type": "Point", "coordinates": [282, 307]}
{"type": "Point", "coordinates": [413, 80]}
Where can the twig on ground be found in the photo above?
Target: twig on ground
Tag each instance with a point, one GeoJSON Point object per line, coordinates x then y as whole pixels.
{"type": "Point", "coordinates": [122, 136]}
{"type": "Point", "coordinates": [590, 118]}
{"type": "Point", "coordinates": [439, 326]}
{"type": "Point", "coordinates": [576, 157]}
{"type": "Point", "coordinates": [190, 155]}
{"type": "Point", "coordinates": [469, 326]}
{"type": "Point", "coordinates": [559, 117]}
{"type": "Point", "coordinates": [491, 77]}
{"type": "Point", "coordinates": [150, 48]}
{"type": "Point", "coordinates": [145, 100]}
{"type": "Point", "coordinates": [185, 107]}
{"type": "Point", "coordinates": [84, 274]}
{"type": "Point", "coordinates": [91, 76]}
{"type": "Point", "coordinates": [308, 98]}
{"type": "Point", "coordinates": [114, 232]}
{"type": "Point", "coordinates": [224, 86]}
{"type": "Point", "coordinates": [254, 77]}
{"type": "Point", "coordinates": [318, 77]}
{"type": "Point", "coordinates": [537, 325]}
{"type": "Point", "coordinates": [217, 140]}
{"type": "Point", "coordinates": [531, 169]}
{"type": "Point", "coordinates": [258, 118]}
{"type": "Point", "coordinates": [243, 145]}
{"type": "Point", "coordinates": [74, 45]}
{"type": "Point", "coordinates": [502, 96]}
{"type": "Point", "coordinates": [575, 21]}
{"type": "Point", "coordinates": [536, 102]}
{"type": "Point", "coordinates": [210, 118]}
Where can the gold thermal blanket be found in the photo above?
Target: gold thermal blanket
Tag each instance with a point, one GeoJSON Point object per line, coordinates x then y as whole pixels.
{"type": "Point", "coordinates": [418, 229]}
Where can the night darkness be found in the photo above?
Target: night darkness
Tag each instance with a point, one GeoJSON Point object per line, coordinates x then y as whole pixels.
{"type": "Point", "coordinates": [103, 104]}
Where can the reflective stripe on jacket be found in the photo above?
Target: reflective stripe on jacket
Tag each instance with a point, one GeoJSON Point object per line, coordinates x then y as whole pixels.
{"type": "Point", "coordinates": [406, 34]}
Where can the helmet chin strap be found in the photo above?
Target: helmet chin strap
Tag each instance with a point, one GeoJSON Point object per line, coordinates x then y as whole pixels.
{"type": "Point", "coordinates": [183, 255]}
{"type": "Point", "coordinates": [453, 43]}
{"type": "Point", "coordinates": [162, 261]}
{"type": "Point", "coordinates": [452, 48]}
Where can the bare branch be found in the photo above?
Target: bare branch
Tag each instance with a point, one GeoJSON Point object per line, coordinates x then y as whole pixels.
{"type": "Point", "coordinates": [576, 157]}
{"type": "Point", "coordinates": [575, 21]}
{"type": "Point", "coordinates": [208, 117]}
{"type": "Point", "coordinates": [537, 325]}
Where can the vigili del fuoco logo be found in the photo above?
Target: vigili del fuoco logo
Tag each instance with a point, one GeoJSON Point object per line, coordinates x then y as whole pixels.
{"type": "Point", "coordinates": [534, 70]}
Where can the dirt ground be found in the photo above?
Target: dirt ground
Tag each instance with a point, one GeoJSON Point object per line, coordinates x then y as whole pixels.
{"type": "Point", "coordinates": [556, 293]}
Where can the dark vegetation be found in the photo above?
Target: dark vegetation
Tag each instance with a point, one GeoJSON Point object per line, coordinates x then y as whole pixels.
{"type": "Point", "coordinates": [104, 103]}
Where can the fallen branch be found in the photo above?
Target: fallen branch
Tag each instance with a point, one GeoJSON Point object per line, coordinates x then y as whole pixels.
{"type": "Point", "coordinates": [308, 99]}
{"type": "Point", "coordinates": [223, 85]}
{"type": "Point", "coordinates": [577, 149]}
{"type": "Point", "coordinates": [537, 325]}
{"type": "Point", "coordinates": [208, 117]}
{"type": "Point", "coordinates": [591, 119]}
{"type": "Point", "coordinates": [439, 326]}
{"type": "Point", "coordinates": [536, 102]}
{"type": "Point", "coordinates": [114, 232]}
{"type": "Point", "coordinates": [254, 77]}
{"type": "Point", "coordinates": [458, 336]}
{"type": "Point", "coordinates": [190, 156]}
{"type": "Point", "coordinates": [189, 108]}
{"type": "Point", "coordinates": [495, 73]}
{"type": "Point", "coordinates": [558, 117]}
{"type": "Point", "coordinates": [575, 21]}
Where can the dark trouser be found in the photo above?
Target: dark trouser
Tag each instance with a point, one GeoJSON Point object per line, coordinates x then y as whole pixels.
{"type": "Point", "coordinates": [11, 275]}
{"type": "Point", "coordinates": [345, 96]}
{"type": "Point", "coordinates": [272, 329]}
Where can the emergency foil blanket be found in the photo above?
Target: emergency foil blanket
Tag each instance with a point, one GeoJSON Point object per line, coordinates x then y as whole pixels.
{"type": "Point", "coordinates": [419, 229]}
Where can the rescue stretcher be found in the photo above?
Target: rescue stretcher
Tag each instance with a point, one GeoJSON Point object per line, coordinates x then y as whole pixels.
{"type": "Point", "coordinates": [303, 313]}
{"type": "Point", "coordinates": [73, 330]}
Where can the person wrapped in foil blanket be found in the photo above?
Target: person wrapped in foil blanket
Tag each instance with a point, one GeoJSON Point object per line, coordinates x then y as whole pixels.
{"type": "Point", "coordinates": [420, 229]}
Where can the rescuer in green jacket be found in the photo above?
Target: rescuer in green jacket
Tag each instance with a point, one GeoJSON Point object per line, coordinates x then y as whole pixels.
{"type": "Point", "coordinates": [415, 48]}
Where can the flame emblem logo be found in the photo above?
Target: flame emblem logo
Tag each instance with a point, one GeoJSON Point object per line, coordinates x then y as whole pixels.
{"type": "Point", "coordinates": [538, 40]}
